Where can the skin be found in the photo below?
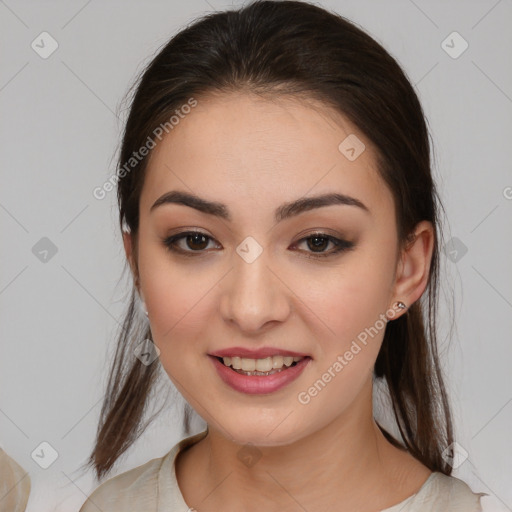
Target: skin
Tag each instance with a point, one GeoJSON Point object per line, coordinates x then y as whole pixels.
{"type": "Point", "coordinates": [253, 155]}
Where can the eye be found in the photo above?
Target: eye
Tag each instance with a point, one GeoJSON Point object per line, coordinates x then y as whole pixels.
{"type": "Point", "coordinates": [318, 242]}
{"type": "Point", "coordinates": [195, 242]}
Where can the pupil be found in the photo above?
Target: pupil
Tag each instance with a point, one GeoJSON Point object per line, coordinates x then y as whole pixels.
{"type": "Point", "coordinates": [316, 244]}
{"type": "Point", "coordinates": [194, 239]}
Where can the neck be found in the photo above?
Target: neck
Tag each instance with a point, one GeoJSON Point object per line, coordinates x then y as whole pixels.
{"type": "Point", "coordinates": [342, 466]}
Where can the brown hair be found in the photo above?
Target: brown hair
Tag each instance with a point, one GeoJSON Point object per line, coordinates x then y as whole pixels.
{"type": "Point", "coordinates": [293, 48]}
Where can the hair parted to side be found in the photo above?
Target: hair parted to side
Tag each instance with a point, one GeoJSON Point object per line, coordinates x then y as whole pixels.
{"type": "Point", "coordinates": [276, 48]}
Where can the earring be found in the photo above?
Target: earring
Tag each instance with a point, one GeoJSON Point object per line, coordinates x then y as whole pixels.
{"type": "Point", "coordinates": [400, 305]}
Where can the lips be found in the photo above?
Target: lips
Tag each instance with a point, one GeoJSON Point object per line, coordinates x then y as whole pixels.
{"type": "Point", "coordinates": [259, 384]}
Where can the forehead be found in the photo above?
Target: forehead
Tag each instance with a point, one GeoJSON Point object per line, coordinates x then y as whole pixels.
{"type": "Point", "coordinates": [243, 149]}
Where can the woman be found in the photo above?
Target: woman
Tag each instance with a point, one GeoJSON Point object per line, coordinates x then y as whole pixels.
{"type": "Point", "coordinates": [281, 224]}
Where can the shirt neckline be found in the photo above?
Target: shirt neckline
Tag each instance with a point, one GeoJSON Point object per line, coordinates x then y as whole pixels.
{"type": "Point", "coordinates": [169, 493]}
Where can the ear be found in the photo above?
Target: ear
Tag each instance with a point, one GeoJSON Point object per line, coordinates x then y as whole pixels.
{"type": "Point", "coordinates": [414, 266]}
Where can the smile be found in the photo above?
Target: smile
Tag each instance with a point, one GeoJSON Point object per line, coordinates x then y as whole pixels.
{"type": "Point", "coordinates": [259, 376]}
{"type": "Point", "coordinates": [266, 366]}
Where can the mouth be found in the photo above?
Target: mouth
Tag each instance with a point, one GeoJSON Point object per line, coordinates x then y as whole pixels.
{"type": "Point", "coordinates": [256, 376]}
{"type": "Point", "coordinates": [260, 367]}
{"type": "Point", "coordinates": [259, 371]}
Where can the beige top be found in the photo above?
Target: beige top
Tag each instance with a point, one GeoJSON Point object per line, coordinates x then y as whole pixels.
{"type": "Point", "coordinates": [14, 485]}
{"type": "Point", "coordinates": [153, 487]}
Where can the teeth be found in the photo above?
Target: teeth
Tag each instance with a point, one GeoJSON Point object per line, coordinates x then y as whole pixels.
{"type": "Point", "coordinates": [262, 365]}
{"type": "Point", "coordinates": [277, 362]}
{"type": "Point", "coordinates": [248, 365]}
{"type": "Point", "coordinates": [288, 360]}
{"type": "Point", "coordinates": [259, 365]}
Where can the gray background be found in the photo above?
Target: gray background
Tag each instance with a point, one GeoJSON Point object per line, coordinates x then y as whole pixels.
{"type": "Point", "coordinates": [59, 136]}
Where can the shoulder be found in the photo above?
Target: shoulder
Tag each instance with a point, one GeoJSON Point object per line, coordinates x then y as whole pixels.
{"type": "Point", "coordinates": [147, 488]}
{"type": "Point", "coordinates": [135, 489]}
{"type": "Point", "coordinates": [449, 493]}
{"type": "Point", "coordinates": [14, 484]}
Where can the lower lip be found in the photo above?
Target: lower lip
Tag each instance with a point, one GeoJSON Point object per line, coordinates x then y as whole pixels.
{"type": "Point", "coordinates": [259, 384]}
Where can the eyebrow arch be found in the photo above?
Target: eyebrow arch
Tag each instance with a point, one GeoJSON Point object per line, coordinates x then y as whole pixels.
{"type": "Point", "coordinates": [283, 212]}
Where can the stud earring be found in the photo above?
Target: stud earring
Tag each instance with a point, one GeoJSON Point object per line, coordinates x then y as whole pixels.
{"type": "Point", "coordinates": [400, 305]}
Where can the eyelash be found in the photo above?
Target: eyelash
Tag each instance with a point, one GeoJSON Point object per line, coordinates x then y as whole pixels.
{"type": "Point", "coordinates": [339, 244]}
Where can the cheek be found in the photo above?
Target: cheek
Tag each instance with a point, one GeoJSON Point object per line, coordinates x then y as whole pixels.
{"type": "Point", "coordinates": [348, 299]}
{"type": "Point", "coordinates": [348, 327]}
{"type": "Point", "coordinates": [174, 294]}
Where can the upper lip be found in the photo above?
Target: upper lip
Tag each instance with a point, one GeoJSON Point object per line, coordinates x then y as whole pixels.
{"type": "Point", "coordinates": [260, 353]}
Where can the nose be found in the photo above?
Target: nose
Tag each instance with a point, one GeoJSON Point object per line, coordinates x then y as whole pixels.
{"type": "Point", "coordinates": [254, 296]}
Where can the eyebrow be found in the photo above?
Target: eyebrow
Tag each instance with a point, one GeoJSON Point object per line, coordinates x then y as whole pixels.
{"type": "Point", "coordinates": [283, 212]}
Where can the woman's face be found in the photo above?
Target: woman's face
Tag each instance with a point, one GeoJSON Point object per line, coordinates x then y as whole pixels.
{"type": "Point", "coordinates": [258, 278]}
